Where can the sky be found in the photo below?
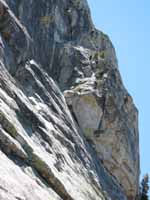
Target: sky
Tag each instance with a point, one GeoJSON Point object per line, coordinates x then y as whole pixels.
{"type": "Point", "coordinates": [127, 23]}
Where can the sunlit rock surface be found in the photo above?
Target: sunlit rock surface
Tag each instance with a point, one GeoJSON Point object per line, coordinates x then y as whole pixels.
{"type": "Point", "coordinates": [68, 127]}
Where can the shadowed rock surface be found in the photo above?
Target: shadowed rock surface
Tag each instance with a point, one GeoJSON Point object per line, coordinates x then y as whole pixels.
{"type": "Point", "coordinates": [68, 127]}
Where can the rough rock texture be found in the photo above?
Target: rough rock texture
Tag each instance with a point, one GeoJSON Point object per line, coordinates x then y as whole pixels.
{"type": "Point", "coordinates": [68, 127]}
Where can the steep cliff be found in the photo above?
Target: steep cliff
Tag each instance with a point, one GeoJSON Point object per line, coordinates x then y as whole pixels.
{"type": "Point", "coordinates": [68, 127]}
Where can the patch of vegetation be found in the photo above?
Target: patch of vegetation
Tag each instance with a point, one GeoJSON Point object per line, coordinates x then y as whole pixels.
{"type": "Point", "coordinates": [37, 163]}
{"type": "Point", "coordinates": [98, 55]}
{"type": "Point", "coordinates": [47, 20]}
{"type": "Point", "coordinates": [34, 160]}
{"type": "Point", "coordinates": [144, 188]}
{"type": "Point", "coordinates": [97, 133]}
{"type": "Point", "coordinates": [88, 132]}
{"type": "Point", "coordinates": [7, 125]}
{"type": "Point", "coordinates": [102, 54]}
{"type": "Point", "coordinates": [90, 100]}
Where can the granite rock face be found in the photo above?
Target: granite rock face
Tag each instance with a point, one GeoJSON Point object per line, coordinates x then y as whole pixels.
{"type": "Point", "coordinates": [68, 127]}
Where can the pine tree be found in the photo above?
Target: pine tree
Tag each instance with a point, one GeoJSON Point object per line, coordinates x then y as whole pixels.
{"type": "Point", "coordinates": [144, 188]}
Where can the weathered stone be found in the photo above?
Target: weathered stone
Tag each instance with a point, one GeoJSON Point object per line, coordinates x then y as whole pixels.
{"type": "Point", "coordinates": [107, 116]}
{"type": "Point", "coordinates": [76, 145]}
{"type": "Point", "coordinates": [15, 36]}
